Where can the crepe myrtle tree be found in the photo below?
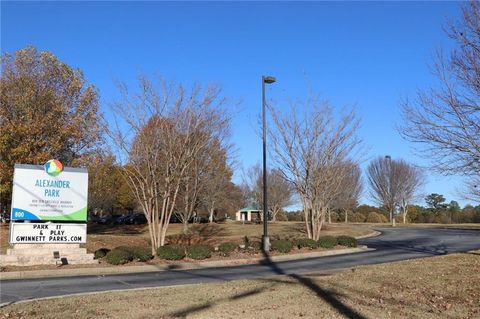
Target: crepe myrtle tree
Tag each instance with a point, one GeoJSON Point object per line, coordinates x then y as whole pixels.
{"type": "Point", "coordinates": [156, 134]}
{"type": "Point", "coordinates": [310, 144]}
{"type": "Point", "coordinates": [205, 182]}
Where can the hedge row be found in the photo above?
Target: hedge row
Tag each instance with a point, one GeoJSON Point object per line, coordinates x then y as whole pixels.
{"type": "Point", "coordinates": [198, 252]}
{"type": "Point", "coordinates": [174, 252]}
{"type": "Point", "coordinates": [171, 252]}
{"type": "Point", "coordinates": [226, 248]}
{"type": "Point", "coordinates": [284, 245]}
{"type": "Point", "coordinates": [124, 254]}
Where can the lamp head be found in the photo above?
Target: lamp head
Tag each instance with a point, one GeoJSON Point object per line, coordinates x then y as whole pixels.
{"type": "Point", "coordinates": [269, 79]}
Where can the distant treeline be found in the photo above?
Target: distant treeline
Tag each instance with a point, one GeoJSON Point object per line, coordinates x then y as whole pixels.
{"type": "Point", "coordinates": [446, 214]}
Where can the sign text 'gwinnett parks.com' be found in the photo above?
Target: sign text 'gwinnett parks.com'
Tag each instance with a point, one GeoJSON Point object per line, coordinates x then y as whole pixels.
{"type": "Point", "coordinates": [47, 233]}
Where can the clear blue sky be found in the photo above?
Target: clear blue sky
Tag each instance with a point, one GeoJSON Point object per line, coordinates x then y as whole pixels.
{"type": "Point", "coordinates": [365, 53]}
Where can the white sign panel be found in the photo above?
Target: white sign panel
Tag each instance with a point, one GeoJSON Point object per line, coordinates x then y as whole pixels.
{"type": "Point", "coordinates": [49, 192]}
{"type": "Point", "coordinates": [47, 233]}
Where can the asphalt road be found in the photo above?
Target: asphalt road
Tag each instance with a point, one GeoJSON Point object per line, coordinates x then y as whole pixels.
{"type": "Point", "coordinates": [392, 245]}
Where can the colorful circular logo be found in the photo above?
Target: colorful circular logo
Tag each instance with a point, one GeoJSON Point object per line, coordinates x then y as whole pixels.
{"type": "Point", "coordinates": [53, 167]}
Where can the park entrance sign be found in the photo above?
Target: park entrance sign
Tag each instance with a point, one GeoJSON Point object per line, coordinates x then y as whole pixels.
{"type": "Point", "coordinates": [49, 192]}
{"type": "Point", "coordinates": [49, 214]}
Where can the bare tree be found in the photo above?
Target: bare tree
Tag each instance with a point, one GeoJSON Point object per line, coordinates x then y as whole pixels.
{"type": "Point", "coordinates": [393, 183]}
{"type": "Point", "coordinates": [190, 188]}
{"type": "Point", "coordinates": [156, 136]}
{"type": "Point", "coordinates": [310, 149]}
{"type": "Point", "coordinates": [218, 186]}
{"type": "Point", "coordinates": [410, 180]}
{"type": "Point", "coordinates": [351, 190]}
{"type": "Point", "coordinates": [251, 195]}
{"type": "Point", "coordinates": [472, 189]}
{"type": "Point", "coordinates": [383, 180]}
{"type": "Point", "coordinates": [206, 179]}
{"type": "Point", "coordinates": [248, 198]}
{"type": "Point", "coordinates": [445, 120]}
{"type": "Point", "coordinates": [280, 191]}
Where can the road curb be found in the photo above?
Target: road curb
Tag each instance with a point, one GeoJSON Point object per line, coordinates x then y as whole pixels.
{"type": "Point", "coordinates": [103, 271]}
{"type": "Point", "coordinates": [372, 234]}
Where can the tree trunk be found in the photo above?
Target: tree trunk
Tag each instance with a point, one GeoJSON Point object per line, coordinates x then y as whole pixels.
{"type": "Point", "coordinates": [274, 214]}
{"type": "Point", "coordinates": [346, 216]}
{"type": "Point", "coordinates": [404, 209]}
{"type": "Point", "coordinates": [313, 223]}
{"type": "Point", "coordinates": [392, 218]}
{"type": "Point", "coordinates": [306, 211]}
{"type": "Point", "coordinates": [210, 215]}
{"type": "Point", "coordinates": [185, 226]}
{"type": "Point", "coordinates": [162, 235]}
{"type": "Point", "coordinates": [308, 224]}
{"type": "Point", "coordinates": [152, 240]}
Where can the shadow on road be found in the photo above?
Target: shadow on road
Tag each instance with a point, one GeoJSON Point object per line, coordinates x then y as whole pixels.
{"type": "Point", "coordinates": [419, 245]}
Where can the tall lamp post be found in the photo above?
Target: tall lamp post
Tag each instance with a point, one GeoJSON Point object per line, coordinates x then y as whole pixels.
{"type": "Point", "coordinates": [388, 158]}
{"type": "Point", "coordinates": [265, 239]}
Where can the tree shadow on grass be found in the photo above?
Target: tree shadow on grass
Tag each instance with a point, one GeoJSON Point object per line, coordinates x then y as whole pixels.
{"type": "Point", "coordinates": [189, 310]}
{"type": "Point", "coordinates": [209, 231]}
{"type": "Point", "coordinates": [472, 253]}
{"type": "Point", "coordinates": [271, 282]}
{"type": "Point", "coordinates": [116, 229]}
{"type": "Point", "coordinates": [328, 296]}
{"type": "Point", "coordinates": [297, 228]}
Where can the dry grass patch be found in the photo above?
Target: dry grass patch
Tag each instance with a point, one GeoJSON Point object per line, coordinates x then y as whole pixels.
{"type": "Point", "coordinates": [437, 287]}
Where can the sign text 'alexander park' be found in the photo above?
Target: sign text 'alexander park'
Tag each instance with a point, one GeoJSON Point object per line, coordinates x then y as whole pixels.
{"type": "Point", "coordinates": [49, 192]}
